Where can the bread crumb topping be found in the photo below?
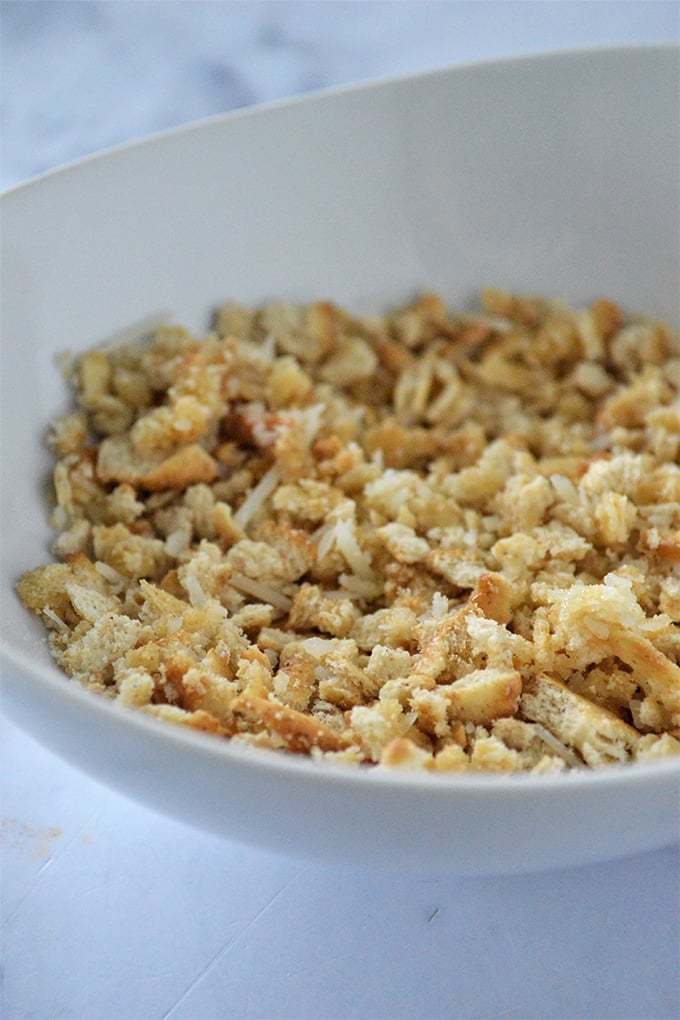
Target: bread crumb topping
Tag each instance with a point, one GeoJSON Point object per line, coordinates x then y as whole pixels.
{"type": "Point", "coordinates": [427, 540]}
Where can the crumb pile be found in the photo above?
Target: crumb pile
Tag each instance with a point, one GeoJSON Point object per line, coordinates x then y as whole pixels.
{"type": "Point", "coordinates": [426, 539]}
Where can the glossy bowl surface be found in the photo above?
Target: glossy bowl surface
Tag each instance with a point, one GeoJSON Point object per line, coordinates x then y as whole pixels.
{"type": "Point", "coordinates": [556, 174]}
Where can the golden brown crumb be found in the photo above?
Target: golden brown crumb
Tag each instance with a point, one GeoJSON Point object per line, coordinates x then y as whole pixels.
{"type": "Point", "coordinates": [424, 540]}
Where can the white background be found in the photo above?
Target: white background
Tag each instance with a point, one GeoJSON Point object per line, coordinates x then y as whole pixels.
{"type": "Point", "coordinates": [110, 912]}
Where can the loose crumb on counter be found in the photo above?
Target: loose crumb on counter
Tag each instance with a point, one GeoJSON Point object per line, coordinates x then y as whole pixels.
{"type": "Point", "coordinates": [427, 539]}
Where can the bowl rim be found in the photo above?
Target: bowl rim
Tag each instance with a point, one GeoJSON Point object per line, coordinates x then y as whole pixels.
{"type": "Point", "coordinates": [261, 760]}
{"type": "Point", "coordinates": [329, 92]}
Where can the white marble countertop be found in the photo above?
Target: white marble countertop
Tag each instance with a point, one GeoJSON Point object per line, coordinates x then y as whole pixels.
{"type": "Point", "coordinates": [110, 912]}
{"type": "Point", "coordinates": [80, 76]}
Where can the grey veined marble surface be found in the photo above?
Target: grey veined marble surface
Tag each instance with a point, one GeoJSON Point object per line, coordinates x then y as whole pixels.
{"type": "Point", "coordinates": [80, 75]}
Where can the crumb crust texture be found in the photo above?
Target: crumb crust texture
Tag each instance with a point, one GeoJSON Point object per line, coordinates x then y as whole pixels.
{"type": "Point", "coordinates": [426, 539]}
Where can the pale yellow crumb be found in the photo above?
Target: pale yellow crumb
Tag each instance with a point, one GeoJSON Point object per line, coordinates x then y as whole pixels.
{"type": "Point", "coordinates": [430, 540]}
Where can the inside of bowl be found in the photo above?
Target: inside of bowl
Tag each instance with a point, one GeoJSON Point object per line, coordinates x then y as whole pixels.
{"type": "Point", "coordinates": [555, 175]}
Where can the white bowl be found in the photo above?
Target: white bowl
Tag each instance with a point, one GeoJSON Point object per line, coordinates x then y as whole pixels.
{"type": "Point", "coordinates": [554, 175]}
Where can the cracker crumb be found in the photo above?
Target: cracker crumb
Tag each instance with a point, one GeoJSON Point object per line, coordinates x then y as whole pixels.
{"type": "Point", "coordinates": [428, 540]}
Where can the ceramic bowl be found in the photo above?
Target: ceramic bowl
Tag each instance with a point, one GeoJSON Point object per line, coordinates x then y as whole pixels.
{"type": "Point", "coordinates": [553, 174]}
